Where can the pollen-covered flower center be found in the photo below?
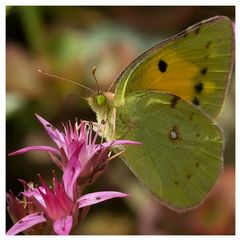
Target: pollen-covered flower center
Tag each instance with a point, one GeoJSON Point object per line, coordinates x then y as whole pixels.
{"type": "Point", "coordinates": [101, 100]}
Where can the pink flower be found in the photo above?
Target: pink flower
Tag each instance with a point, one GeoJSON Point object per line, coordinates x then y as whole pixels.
{"type": "Point", "coordinates": [57, 208]}
{"type": "Point", "coordinates": [77, 150]}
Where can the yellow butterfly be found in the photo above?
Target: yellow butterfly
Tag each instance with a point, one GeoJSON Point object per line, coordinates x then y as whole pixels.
{"type": "Point", "coordinates": [168, 99]}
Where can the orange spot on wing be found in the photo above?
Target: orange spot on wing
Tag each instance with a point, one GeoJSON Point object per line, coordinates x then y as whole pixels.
{"type": "Point", "coordinates": [178, 78]}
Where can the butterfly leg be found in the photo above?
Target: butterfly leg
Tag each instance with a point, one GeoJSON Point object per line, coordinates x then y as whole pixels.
{"type": "Point", "coordinates": [103, 126]}
{"type": "Point", "coordinates": [116, 155]}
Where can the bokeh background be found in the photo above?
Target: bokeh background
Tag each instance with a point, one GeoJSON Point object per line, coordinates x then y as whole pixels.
{"type": "Point", "coordinates": [69, 41]}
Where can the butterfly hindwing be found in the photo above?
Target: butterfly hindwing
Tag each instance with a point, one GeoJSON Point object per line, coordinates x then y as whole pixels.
{"type": "Point", "coordinates": [181, 155]}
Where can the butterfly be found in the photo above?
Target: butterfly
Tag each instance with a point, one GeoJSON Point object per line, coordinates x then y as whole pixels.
{"type": "Point", "coordinates": [168, 99]}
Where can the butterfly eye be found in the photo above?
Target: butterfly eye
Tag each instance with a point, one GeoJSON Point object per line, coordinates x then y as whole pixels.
{"type": "Point", "coordinates": [101, 100]}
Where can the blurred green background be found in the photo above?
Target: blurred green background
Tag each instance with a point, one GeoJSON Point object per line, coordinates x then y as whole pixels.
{"type": "Point", "coordinates": [69, 41]}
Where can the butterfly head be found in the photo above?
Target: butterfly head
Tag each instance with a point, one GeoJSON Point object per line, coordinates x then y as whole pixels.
{"type": "Point", "coordinates": [100, 101]}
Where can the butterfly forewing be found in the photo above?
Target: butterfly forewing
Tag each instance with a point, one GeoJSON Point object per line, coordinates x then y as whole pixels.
{"type": "Point", "coordinates": [194, 65]}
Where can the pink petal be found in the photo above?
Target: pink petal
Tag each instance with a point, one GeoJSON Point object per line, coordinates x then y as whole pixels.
{"type": "Point", "coordinates": [97, 197]}
{"type": "Point", "coordinates": [70, 176]}
{"type": "Point", "coordinates": [38, 148]}
{"type": "Point", "coordinates": [53, 132]}
{"type": "Point", "coordinates": [73, 148]}
{"type": "Point", "coordinates": [15, 208]}
{"type": "Point", "coordinates": [64, 201]}
{"type": "Point", "coordinates": [122, 142]}
{"type": "Point", "coordinates": [36, 194]}
{"type": "Point", "coordinates": [63, 225]}
{"type": "Point", "coordinates": [26, 223]}
{"type": "Point", "coordinates": [119, 142]}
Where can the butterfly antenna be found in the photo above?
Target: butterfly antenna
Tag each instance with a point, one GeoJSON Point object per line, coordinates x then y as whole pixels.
{"type": "Point", "coordinates": [94, 76]}
{"type": "Point", "coordinates": [64, 79]}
